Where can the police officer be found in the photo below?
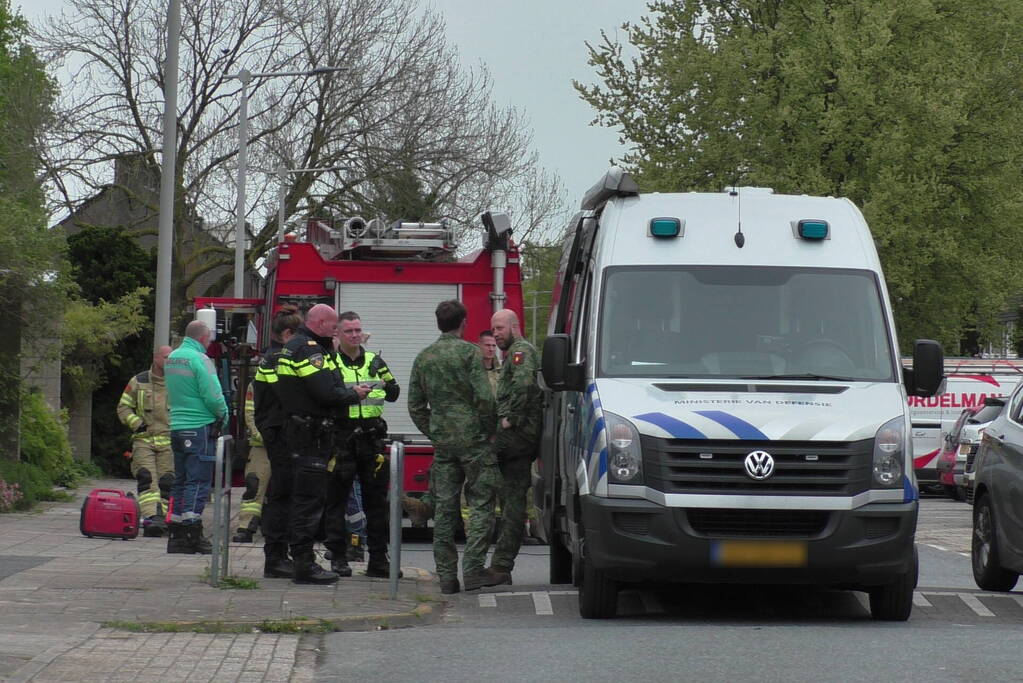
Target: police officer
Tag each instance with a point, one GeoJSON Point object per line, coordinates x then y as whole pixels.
{"type": "Point", "coordinates": [268, 416]}
{"type": "Point", "coordinates": [361, 434]}
{"type": "Point", "coordinates": [311, 393]}
{"type": "Point", "coordinates": [143, 409]}
{"type": "Point", "coordinates": [450, 401]}
{"type": "Point", "coordinates": [520, 414]}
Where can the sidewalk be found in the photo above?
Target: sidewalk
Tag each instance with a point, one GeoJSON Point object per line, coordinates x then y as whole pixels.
{"type": "Point", "coordinates": [84, 609]}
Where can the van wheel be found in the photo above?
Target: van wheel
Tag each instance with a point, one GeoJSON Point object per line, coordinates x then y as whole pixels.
{"type": "Point", "coordinates": [560, 561]}
{"type": "Point", "coordinates": [894, 601]}
{"type": "Point", "coordinates": [598, 595]}
{"type": "Point", "coordinates": [987, 569]}
{"type": "Point", "coordinates": [959, 493]}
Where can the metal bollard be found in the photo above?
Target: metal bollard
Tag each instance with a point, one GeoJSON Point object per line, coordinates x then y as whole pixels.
{"type": "Point", "coordinates": [221, 509]}
{"type": "Point", "coordinates": [394, 499]}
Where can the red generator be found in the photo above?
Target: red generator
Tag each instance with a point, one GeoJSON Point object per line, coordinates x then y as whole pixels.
{"type": "Point", "coordinates": [111, 514]}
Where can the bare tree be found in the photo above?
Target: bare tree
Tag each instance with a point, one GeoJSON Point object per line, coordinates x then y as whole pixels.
{"type": "Point", "coordinates": [403, 104]}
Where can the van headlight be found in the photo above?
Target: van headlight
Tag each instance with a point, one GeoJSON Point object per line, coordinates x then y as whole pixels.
{"type": "Point", "coordinates": [624, 455]}
{"type": "Point", "coordinates": [889, 452]}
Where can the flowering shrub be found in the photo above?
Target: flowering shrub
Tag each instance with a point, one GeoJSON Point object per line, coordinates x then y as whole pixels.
{"type": "Point", "coordinates": [10, 494]}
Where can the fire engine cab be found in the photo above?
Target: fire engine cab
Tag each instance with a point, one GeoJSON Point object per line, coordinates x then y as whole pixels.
{"type": "Point", "coordinates": [393, 275]}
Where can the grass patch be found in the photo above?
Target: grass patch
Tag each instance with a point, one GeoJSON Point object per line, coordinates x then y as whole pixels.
{"type": "Point", "coordinates": [239, 583]}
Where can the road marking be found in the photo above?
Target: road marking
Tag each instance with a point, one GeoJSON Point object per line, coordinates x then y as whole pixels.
{"type": "Point", "coordinates": [936, 547]}
{"type": "Point", "coordinates": [920, 601]}
{"type": "Point", "coordinates": [976, 605]}
{"type": "Point", "coordinates": [542, 604]}
{"type": "Point", "coordinates": [488, 600]}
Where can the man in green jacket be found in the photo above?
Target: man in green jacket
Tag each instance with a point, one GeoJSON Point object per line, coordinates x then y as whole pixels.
{"type": "Point", "coordinates": [198, 412]}
{"type": "Point", "coordinates": [520, 416]}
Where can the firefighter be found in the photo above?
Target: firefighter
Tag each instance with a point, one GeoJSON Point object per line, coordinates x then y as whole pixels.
{"type": "Point", "coordinates": [360, 452]}
{"type": "Point", "coordinates": [257, 476]}
{"type": "Point", "coordinates": [143, 409]}
{"type": "Point", "coordinates": [312, 395]}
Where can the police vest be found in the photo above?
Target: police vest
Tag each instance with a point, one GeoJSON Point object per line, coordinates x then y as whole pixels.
{"type": "Point", "coordinates": [373, 404]}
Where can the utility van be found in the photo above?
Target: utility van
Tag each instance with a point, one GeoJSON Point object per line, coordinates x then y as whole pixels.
{"type": "Point", "coordinates": [725, 399]}
{"type": "Point", "coordinates": [969, 382]}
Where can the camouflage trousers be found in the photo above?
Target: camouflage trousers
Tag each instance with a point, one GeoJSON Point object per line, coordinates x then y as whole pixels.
{"type": "Point", "coordinates": [476, 467]}
{"type": "Point", "coordinates": [515, 480]}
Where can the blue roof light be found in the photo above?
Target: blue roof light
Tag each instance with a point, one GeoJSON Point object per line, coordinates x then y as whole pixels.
{"type": "Point", "coordinates": [813, 230]}
{"type": "Point", "coordinates": [665, 227]}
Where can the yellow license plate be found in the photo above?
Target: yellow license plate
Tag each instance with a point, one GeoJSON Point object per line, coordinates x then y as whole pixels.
{"type": "Point", "coordinates": [758, 554]}
{"type": "Point", "coordinates": [964, 449]}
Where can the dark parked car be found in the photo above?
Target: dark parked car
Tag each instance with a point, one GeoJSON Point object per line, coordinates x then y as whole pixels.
{"type": "Point", "coordinates": [997, 551]}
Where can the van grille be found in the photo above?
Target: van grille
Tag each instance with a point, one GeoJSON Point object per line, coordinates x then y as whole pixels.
{"type": "Point", "coordinates": [759, 523]}
{"type": "Point", "coordinates": [801, 468]}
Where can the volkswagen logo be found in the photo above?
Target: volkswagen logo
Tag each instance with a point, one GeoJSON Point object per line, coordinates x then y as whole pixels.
{"type": "Point", "coordinates": [759, 465]}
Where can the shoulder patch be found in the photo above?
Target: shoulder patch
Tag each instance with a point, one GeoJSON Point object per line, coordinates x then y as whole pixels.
{"type": "Point", "coordinates": [316, 360]}
{"type": "Point", "coordinates": [518, 357]}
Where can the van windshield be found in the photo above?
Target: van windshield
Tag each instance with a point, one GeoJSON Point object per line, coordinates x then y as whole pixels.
{"type": "Point", "coordinates": [743, 321]}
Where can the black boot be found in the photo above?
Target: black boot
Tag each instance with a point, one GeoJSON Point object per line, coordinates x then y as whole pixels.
{"type": "Point", "coordinates": [242, 535]}
{"type": "Point", "coordinates": [308, 572]}
{"type": "Point", "coordinates": [154, 527]}
{"type": "Point", "coordinates": [199, 543]}
{"type": "Point", "coordinates": [177, 540]}
{"type": "Point", "coordinates": [341, 568]}
{"type": "Point", "coordinates": [277, 565]}
{"type": "Point", "coordinates": [379, 566]}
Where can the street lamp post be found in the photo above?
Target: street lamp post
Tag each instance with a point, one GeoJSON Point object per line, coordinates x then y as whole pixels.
{"type": "Point", "coordinates": [245, 77]}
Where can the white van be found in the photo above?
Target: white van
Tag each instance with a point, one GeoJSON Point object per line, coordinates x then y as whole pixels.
{"type": "Point", "coordinates": [968, 383]}
{"type": "Point", "coordinates": [726, 399]}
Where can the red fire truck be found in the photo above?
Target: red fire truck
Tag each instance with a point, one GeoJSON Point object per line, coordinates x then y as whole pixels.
{"type": "Point", "coordinates": [393, 275]}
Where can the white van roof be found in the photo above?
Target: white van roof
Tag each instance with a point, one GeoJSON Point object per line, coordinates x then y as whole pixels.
{"type": "Point", "coordinates": [711, 220]}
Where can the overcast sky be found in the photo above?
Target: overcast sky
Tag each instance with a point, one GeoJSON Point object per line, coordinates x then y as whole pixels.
{"type": "Point", "coordinates": [533, 49]}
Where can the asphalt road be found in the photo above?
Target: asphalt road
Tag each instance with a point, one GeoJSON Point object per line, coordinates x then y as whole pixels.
{"type": "Point", "coordinates": [532, 631]}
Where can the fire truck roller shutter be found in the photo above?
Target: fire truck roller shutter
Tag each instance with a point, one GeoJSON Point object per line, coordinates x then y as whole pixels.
{"type": "Point", "coordinates": [401, 319]}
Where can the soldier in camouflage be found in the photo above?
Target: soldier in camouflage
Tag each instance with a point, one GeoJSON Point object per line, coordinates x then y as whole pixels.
{"type": "Point", "coordinates": [519, 414]}
{"type": "Point", "coordinates": [450, 401]}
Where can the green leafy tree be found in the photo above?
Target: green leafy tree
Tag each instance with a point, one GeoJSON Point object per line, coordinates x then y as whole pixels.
{"type": "Point", "coordinates": [107, 264]}
{"type": "Point", "coordinates": [31, 286]}
{"type": "Point", "coordinates": [91, 333]}
{"type": "Point", "coordinates": [539, 263]}
{"type": "Point", "coordinates": [907, 107]}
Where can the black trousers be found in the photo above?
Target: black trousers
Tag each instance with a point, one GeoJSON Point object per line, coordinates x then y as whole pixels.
{"type": "Point", "coordinates": [308, 454]}
{"type": "Point", "coordinates": [360, 460]}
{"type": "Point", "coordinates": [277, 506]}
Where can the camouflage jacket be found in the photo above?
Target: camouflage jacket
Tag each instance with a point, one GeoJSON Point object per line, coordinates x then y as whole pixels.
{"type": "Point", "coordinates": [519, 399]}
{"type": "Point", "coordinates": [450, 399]}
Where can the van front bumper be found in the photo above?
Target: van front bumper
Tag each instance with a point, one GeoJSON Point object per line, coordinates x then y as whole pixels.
{"type": "Point", "coordinates": [636, 540]}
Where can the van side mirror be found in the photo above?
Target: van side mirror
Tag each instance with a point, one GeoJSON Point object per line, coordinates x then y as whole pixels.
{"type": "Point", "coordinates": [927, 376]}
{"type": "Point", "coordinates": [559, 373]}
